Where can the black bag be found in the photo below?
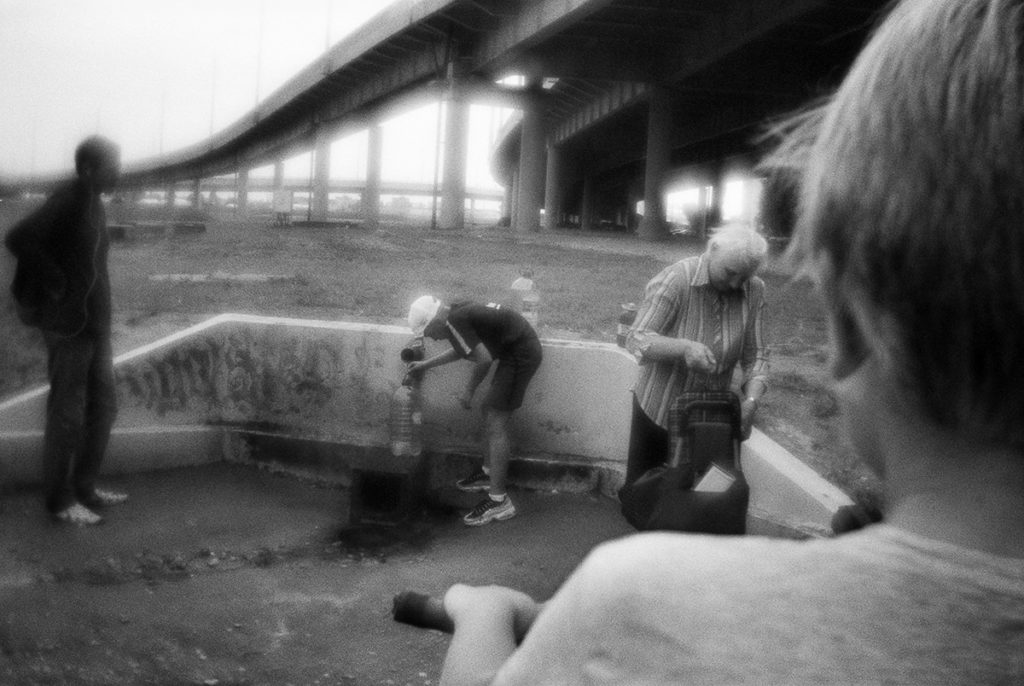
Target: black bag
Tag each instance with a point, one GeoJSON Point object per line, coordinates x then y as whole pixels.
{"type": "Point", "coordinates": [26, 297]}
{"type": "Point", "coordinates": [704, 434]}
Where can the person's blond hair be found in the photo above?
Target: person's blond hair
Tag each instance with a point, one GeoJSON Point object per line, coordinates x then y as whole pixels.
{"type": "Point", "coordinates": [912, 210]}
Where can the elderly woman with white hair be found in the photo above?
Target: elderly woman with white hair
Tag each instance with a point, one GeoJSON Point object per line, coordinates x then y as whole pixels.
{"type": "Point", "coordinates": [700, 317]}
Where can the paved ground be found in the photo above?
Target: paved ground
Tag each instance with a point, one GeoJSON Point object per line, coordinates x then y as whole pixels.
{"type": "Point", "coordinates": [228, 575]}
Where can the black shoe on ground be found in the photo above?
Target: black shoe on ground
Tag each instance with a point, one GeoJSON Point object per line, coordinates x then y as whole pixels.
{"type": "Point", "coordinates": [477, 482]}
{"type": "Point", "coordinates": [490, 510]}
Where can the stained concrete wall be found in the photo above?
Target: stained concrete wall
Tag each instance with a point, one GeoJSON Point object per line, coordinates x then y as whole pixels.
{"type": "Point", "coordinates": [333, 381]}
{"type": "Point", "coordinates": [186, 398]}
{"type": "Point", "coordinates": [577, 406]}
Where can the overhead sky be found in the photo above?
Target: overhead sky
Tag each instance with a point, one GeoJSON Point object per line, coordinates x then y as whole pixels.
{"type": "Point", "coordinates": [159, 75]}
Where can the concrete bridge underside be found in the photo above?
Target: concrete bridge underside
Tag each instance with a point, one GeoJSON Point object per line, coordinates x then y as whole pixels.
{"type": "Point", "coordinates": [618, 98]}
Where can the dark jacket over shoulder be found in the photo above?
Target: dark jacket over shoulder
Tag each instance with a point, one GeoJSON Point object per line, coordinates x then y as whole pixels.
{"type": "Point", "coordinates": [61, 283]}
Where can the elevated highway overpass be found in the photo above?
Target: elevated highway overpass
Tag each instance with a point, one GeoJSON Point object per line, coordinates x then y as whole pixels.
{"type": "Point", "coordinates": [194, 190]}
{"type": "Point", "coordinates": [618, 98]}
{"type": "Point", "coordinates": [351, 186]}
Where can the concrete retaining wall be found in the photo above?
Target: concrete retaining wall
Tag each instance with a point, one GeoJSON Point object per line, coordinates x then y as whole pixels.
{"type": "Point", "coordinates": [185, 399]}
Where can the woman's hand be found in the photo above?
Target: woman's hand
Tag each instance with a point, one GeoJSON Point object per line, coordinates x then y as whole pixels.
{"type": "Point", "coordinates": [747, 410]}
{"type": "Point", "coordinates": [699, 357]}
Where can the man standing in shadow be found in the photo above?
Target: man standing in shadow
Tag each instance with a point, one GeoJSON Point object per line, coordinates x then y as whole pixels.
{"type": "Point", "coordinates": [62, 287]}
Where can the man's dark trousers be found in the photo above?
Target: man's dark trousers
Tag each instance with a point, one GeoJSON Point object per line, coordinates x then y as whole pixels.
{"type": "Point", "coordinates": [80, 412]}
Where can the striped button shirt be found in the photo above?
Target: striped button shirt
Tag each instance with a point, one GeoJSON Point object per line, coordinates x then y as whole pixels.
{"type": "Point", "coordinates": [680, 302]}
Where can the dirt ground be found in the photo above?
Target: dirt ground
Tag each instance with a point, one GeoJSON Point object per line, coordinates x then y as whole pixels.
{"type": "Point", "coordinates": [362, 275]}
{"type": "Point", "coordinates": [226, 575]}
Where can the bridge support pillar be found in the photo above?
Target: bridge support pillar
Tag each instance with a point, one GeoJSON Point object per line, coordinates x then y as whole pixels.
{"type": "Point", "coordinates": [374, 160]}
{"type": "Point", "coordinates": [514, 213]}
{"type": "Point", "coordinates": [281, 200]}
{"type": "Point", "coordinates": [453, 182]}
{"type": "Point", "coordinates": [169, 196]}
{"type": "Point", "coordinates": [717, 191]}
{"type": "Point", "coordinates": [242, 191]}
{"type": "Point", "coordinates": [197, 196]}
{"type": "Point", "coordinates": [508, 201]}
{"type": "Point", "coordinates": [530, 196]}
{"type": "Point", "coordinates": [659, 128]}
{"type": "Point", "coordinates": [588, 217]}
{"type": "Point", "coordinates": [321, 177]}
{"type": "Point", "coordinates": [554, 184]}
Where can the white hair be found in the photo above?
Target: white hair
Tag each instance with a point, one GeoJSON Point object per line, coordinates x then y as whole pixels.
{"type": "Point", "coordinates": [742, 242]}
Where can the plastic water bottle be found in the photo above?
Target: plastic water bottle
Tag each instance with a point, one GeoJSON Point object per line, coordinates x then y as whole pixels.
{"type": "Point", "coordinates": [406, 423]}
{"type": "Point", "coordinates": [526, 297]}
{"type": "Point", "coordinates": [626, 319]}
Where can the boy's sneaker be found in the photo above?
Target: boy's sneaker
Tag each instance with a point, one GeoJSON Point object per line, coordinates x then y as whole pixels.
{"type": "Point", "coordinates": [477, 482]}
{"type": "Point", "coordinates": [488, 510]}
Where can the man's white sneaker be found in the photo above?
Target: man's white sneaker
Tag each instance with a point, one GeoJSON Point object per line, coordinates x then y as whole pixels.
{"type": "Point", "coordinates": [78, 514]}
{"type": "Point", "coordinates": [489, 510]}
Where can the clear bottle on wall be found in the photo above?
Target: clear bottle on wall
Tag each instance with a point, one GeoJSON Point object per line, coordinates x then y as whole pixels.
{"type": "Point", "coordinates": [626, 318]}
{"type": "Point", "coordinates": [406, 425]}
{"type": "Point", "coordinates": [526, 296]}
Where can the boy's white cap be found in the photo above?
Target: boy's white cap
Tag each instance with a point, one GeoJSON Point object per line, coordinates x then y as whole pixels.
{"type": "Point", "coordinates": [422, 310]}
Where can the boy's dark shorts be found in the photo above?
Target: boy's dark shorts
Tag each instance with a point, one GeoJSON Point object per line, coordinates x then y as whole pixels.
{"type": "Point", "coordinates": [513, 375]}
